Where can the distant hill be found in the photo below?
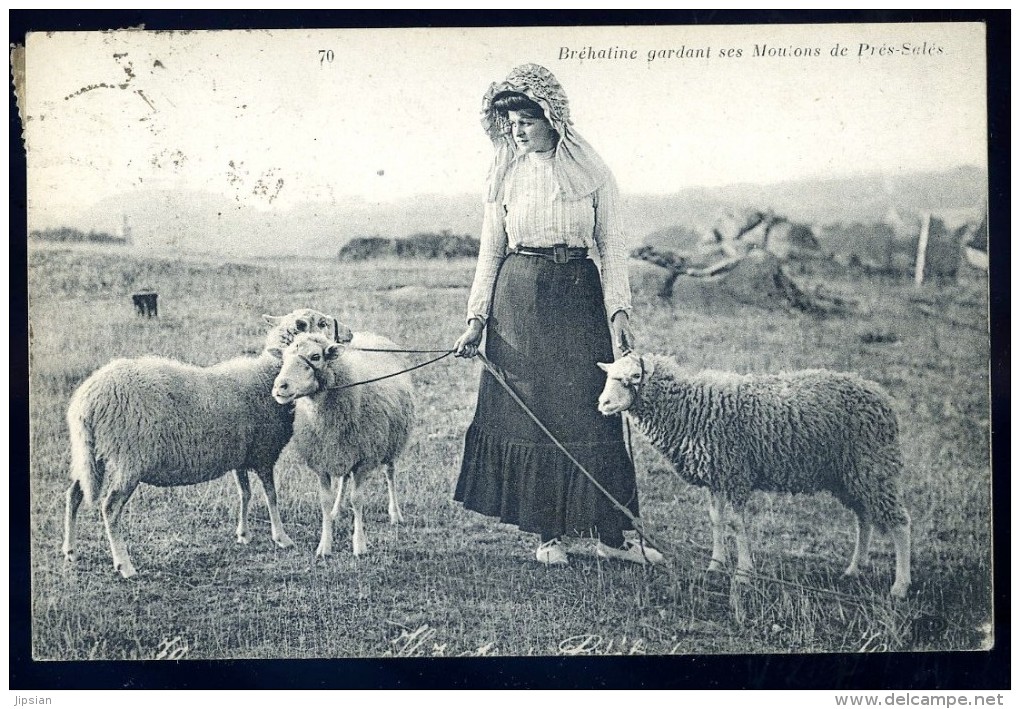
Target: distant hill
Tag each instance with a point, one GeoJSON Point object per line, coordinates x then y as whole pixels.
{"type": "Point", "coordinates": [955, 195]}
{"type": "Point", "coordinates": [202, 221]}
{"type": "Point", "coordinates": [199, 221]}
{"type": "Point", "coordinates": [865, 198]}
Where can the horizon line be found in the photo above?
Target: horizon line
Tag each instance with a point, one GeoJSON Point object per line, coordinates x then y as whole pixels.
{"type": "Point", "coordinates": [366, 199]}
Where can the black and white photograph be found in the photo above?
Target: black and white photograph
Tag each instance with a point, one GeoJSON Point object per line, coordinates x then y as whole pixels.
{"type": "Point", "coordinates": [459, 342]}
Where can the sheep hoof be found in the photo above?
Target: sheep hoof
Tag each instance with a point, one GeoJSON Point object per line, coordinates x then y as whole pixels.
{"type": "Point", "coordinates": [397, 519]}
{"type": "Point", "coordinates": [70, 556]}
{"type": "Point", "coordinates": [283, 541]}
{"type": "Point", "coordinates": [851, 571]}
{"type": "Point", "coordinates": [715, 565]}
{"type": "Point", "coordinates": [127, 570]}
{"type": "Point", "coordinates": [243, 539]}
{"type": "Point", "coordinates": [322, 552]}
{"type": "Point", "coordinates": [742, 576]}
{"type": "Point", "coordinates": [899, 590]}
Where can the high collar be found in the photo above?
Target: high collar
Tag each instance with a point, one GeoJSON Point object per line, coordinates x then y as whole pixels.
{"type": "Point", "coordinates": [547, 156]}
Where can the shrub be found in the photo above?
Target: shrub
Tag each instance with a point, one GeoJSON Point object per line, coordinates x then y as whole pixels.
{"type": "Point", "coordinates": [427, 245]}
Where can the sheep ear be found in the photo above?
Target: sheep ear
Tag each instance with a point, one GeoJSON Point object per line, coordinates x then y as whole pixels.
{"type": "Point", "coordinates": [275, 351]}
{"type": "Point", "coordinates": [603, 366]}
{"type": "Point", "coordinates": [272, 319]}
{"type": "Point", "coordinates": [331, 352]}
{"type": "Point", "coordinates": [342, 336]}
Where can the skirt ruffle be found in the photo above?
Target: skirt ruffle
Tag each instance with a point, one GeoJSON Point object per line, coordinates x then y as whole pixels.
{"type": "Point", "coordinates": [546, 333]}
{"type": "Point", "coordinates": [537, 488]}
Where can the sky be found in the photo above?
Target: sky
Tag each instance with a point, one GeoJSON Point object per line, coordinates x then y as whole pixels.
{"type": "Point", "coordinates": [278, 117]}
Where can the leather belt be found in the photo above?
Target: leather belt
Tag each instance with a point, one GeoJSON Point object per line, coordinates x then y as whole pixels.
{"type": "Point", "coordinates": [560, 253]}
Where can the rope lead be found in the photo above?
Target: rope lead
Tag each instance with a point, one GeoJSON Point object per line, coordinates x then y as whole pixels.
{"type": "Point", "coordinates": [638, 525]}
{"type": "Point", "coordinates": [446, 353]}
{"type": "Point", "coordinates": [636, 521]}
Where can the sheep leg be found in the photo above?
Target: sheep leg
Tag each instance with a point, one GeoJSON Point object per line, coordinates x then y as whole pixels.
{"type": "Point", "coordinates": [338, 503]}
{"type": "Point", "coordinates": [113, 505]}
{"type": "Point", "coordinates": [244, 493]}
{"type": "Point", "coordinates": [861, 547]}
{"type": "Point", "coordinates": [357, 502]}
{"type": "Point", "coordinates": [394, 508]}
{"type": "Point", "coordinates": [275, 524]}
{"type": "Point", "coordinates": [716, 510]}
{"type": "Point", "coordinates": [325, 547]}
{"type": "Point", "coordinates": [901, 543]}
{"type": "Point", "coordinates": [744, 565]}
{"type": "Point", "coordinates": [74, 499]}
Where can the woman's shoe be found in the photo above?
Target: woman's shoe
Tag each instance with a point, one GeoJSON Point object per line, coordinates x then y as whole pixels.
{"type": "Point", "coordinates": [632, 551]}
{"type": "Point", "coordinates": [552, 552]}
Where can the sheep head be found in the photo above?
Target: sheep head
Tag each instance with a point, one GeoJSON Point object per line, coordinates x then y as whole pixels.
{"type": "Point", "coordinates": [623, 383]}
{"type": "Point", "coordinates": [304, 320]}
{"type": "Point", "coordinates": [304, 366]}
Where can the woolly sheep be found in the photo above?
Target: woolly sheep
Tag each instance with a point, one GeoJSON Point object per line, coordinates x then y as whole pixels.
{"type": "Point", "coordinates": [166, 423]}
{"type": "Point", "coordinates": [304, 320]}
{"type": "Point", "coordinates": [285, 327]}
{"type": "Point", "coordinates": [346, 432]}
{"type": "Point", "coordinates": [806, 431]}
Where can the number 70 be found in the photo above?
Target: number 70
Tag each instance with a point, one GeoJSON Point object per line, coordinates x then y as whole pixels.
{"type": "Point", "coordinates": [325, 56]}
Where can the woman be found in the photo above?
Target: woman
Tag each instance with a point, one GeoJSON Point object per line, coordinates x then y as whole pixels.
{"type": "Point", "coordinates": [540, 300]}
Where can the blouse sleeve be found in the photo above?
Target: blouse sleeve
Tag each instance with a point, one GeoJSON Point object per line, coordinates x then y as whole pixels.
{"type": "Point", "coordinates": [611, 243]}
{"type": "Point", "coordinates": [491, 251]}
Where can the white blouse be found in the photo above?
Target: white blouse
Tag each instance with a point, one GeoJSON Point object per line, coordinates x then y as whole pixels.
{"type": "Point", "coordinates": [531, 213]}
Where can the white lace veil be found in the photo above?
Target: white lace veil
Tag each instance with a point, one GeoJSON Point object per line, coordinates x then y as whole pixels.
{"type": "Point", "coordinates": [579, 170]}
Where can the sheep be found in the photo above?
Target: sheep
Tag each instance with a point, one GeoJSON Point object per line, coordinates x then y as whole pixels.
{"type": "Point", "coordinates": [807, 431]}
{"type": "Point", "coordinates": [162, 422]}
{"type": "Point", "coordinates": [285, 327]}
{"type": "Point", "coordinates": [346, 432]}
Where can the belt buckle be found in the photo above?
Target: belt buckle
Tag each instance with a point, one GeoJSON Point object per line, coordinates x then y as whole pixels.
{"type": "Point", "coordinates": [560, 253]}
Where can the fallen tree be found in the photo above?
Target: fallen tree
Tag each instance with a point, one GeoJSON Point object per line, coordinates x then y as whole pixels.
{"type": "Point", "coordinates": [752, 278]}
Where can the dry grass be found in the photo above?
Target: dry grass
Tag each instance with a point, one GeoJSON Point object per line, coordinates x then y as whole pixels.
{"type": "Point", "coordinates": [450, 582]}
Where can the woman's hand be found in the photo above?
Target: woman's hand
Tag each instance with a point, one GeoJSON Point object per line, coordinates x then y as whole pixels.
{"type": "Point", "coordinates": [467, 344]}
{"type": "Point", "coordinates": [623, 336]}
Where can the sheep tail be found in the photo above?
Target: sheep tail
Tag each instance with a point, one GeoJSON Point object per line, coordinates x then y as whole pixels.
{"type": "Point", "coordinates": [85, 469]}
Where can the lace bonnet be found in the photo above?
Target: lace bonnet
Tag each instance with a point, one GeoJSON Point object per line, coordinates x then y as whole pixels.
{"type": "Point", "coordinates": [578, 168]}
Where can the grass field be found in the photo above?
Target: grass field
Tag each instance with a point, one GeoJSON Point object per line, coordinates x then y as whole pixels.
{"type": "Point", "coordinates": [450, 582]}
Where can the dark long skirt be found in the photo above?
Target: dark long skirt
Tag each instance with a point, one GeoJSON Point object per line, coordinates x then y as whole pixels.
{"type": "Point", "coordinates": [546, 331]}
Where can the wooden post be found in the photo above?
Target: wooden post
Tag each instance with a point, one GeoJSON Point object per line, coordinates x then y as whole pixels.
{"type": "Point", "coordinates": [922, 250]}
